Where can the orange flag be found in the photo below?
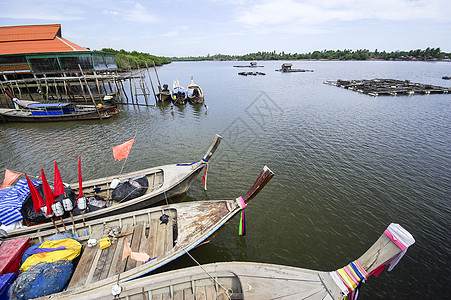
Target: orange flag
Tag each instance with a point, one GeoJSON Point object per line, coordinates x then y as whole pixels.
{"type": "Point", "coordinates": [121, 151]}
{"type": "Point", "coordinates": [10, 177]}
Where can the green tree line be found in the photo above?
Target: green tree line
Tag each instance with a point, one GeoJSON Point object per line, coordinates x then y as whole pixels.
{"type": "Point", "coordinates": [362, 54]}
{"type": "Point", "coordinates": [132, 60]}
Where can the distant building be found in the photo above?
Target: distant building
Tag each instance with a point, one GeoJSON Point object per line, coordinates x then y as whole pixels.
{"type": "Point", "coordinates": [41, 49]}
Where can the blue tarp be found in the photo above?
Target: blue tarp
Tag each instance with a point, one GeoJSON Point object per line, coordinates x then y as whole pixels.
{"type": "Point", "coordinates": [11, 201]}
{"type": "Point", "coordinates": [48, 105]}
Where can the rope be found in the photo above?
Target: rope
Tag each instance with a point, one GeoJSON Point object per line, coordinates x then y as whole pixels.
{"type": "Point", "coordinates": [229, 292]}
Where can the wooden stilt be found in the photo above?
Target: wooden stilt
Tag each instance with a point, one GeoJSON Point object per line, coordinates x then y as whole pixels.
{"type": "Point", "coordinates": [151, 84]}
{"type": "Point", "coordinates": [89, 90]}
{"type": "Point", "coordinates": [83, 91]}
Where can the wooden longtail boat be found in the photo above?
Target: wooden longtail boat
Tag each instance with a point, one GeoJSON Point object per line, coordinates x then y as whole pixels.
{"type": "Point", "coordinates": [243, 280]}
{"type": "Point", "coordinates": [164, 182]}
{"type": "Point", "coordinates": [26, 115]}
{"type": "Point", "coordinates": [178, 93]}
{"type": "Point", "coordinates": [164, 94]}
{"type": "Point", "coordinates": [194, 93]}
{"type": "Point", "coordinates": [32, 111]}
{"type": "Point", "coordinates": [188, 225]}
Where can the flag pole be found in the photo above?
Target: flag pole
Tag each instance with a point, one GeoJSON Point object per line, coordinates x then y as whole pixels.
{"type": "Point", "coordinates": [127, 156]}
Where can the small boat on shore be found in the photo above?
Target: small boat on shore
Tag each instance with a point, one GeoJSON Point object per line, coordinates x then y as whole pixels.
{"type": "Point", "coordinates": [194, 93]}
{"type": "Point", "coordinates": [161, 234]}
{"type": "Point", "coordinates": [178, 93]}
{"type": "Point", "coordinates": [248, 280]}
{"type": "Point", "coordinates": [163, 182]}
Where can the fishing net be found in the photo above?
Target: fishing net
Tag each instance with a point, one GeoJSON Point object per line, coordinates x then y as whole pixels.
{"type": "Point", "coordinates": [42, 279]}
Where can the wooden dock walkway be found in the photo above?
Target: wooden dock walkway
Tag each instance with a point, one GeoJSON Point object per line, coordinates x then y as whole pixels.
{"type": "Point", "coordinates": [389, 87]}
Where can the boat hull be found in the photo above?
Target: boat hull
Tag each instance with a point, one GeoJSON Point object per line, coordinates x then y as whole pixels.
{"type": "Point", "coordinates": [175, 179]}
{"type": "Point", "coordinates": [12, 115]}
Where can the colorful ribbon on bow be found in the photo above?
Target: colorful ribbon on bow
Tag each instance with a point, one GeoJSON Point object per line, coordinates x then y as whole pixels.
{"type": "Point", "coordinates": [242, 205]}
{"type": "Point", "coordinates": [349, 277]}
{"type": "Point", "coordinates": [204, 179]}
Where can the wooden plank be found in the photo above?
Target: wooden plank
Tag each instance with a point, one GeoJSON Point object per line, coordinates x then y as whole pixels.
{"type": "Point", "coordinates": [151, 180]}
{"type": "Point", "coordinates": [84, 264]}
{"type": "Point", "coordinates": [143, 244]}
{"type": "Point", "coordinates": [157, 297]}
{"type": "Point", "coordinates": [188, 294]}
{"type": "Point", "coordinates": [90, 274]}
{"type": "Point", "coordinates": [152, 238]}
{"type": "Point", "coordinates": [169, 242]}
{"type": "Point", "coordinates": [201, 294]}
{"type": "Point", "coordinates": [210, 292]}
{"type": "Point", "coordinates": [160, 240]}
{"type": "Point", "coordinates": [134, 244]}
{"type": "Point", "coordinates": [104, 263]}
{"type": "Point", "coordinates": [178, 295]}
{"type": "Point", "coordinates": [115, 267]}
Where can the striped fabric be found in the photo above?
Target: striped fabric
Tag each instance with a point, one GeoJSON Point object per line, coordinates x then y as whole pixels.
{"type": "Point", "coordinates": [11, 201]}
{"type": "Point", "coordinates": [349, 277]}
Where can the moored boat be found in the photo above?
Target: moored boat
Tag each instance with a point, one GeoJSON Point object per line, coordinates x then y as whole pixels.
{"type": "Point", "coordinates": [162, 234]}
{"type": "Point", "coordinates": [164, 94]}
{"type": "Point", "coordinates": [194, 93]}
{"type": "Point", "coordinates": [178, 93]}
{"type": "Point", "coordinates": [33, 111]}
{"type": "Point", "coordinates": [248, 280]}
{"type": "Point", "coordinates": [164, 182]}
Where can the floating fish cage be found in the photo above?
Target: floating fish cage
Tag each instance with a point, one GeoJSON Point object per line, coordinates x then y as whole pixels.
{"type": "Point", "coordinates": [389, 87]}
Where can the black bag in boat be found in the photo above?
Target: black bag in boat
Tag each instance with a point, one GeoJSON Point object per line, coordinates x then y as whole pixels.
{"type": "Point", "coordinates": [130, 189]}
{"type": "Point", "coordinates": [28, 211]}
{"type": "Point", "coordinates": [30, 214]}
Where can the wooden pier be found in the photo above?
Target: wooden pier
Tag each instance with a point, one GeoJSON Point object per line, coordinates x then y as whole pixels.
{"type": "Point", "coordinates": [389, 87]}
{"type": "Point", "coordinates": [78, 88]}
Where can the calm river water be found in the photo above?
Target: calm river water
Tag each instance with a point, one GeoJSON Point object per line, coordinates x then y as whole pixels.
{"type": "Point", "coordinates": [346, 165]}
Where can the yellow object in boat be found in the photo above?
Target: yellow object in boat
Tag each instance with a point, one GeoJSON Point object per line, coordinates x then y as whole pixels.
{"type": "Point", "coordinates": [104, 243]}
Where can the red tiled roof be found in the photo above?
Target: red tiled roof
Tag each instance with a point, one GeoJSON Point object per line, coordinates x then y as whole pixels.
{"type": "Point", "coordinates": [34, 39]}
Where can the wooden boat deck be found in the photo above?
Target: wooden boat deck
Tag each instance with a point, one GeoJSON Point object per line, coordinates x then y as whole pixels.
{"type": "Point", "coordinates": [227, 287]}
{"type": "Point", "coordinates": [153, 238]}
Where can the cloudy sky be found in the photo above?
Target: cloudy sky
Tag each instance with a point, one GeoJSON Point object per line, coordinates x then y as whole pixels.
{"type": "Point", "coordinates": [194, 28]}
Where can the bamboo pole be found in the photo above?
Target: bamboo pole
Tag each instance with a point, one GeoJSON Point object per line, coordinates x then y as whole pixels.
{"type": "Point", "coordinates": [89, 90]}
{"type": "Point", "coordinates": [155, 68]}
{"type": "Point", "coordinates": [56, 90]}
{"type": "Point", "coordinates": [83, 91]}
{"type": "Point", "coordinates": [131, 90]}
{"type": "Point", "coordinates": [28, 90]}
{"type": "Point", "coordinates": [123, 89]}
{"type": "Point", "coordinates": [151, 84]}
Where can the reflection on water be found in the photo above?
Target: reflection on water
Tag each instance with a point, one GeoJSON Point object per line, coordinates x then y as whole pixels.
{"type": "Point", "coordinates": [346, 165]}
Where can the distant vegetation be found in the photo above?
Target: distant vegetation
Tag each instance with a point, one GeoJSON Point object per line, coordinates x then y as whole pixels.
{"type": "Point", "coordinates": [427, 54]}
{"type": "Point", "coordinates": [132, 60]}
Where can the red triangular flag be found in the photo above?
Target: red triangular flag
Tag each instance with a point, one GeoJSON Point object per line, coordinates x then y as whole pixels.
{"type": "Point", "coordinates": [121, 151]}
{"type": "Point", "coordinates": [80, 187]}
{"type": "Point", "coordinates": [58, 182]}
{"type": "Point", "coordinates": [10, 177]}
{"type": "Point", "coordinates": [48, 194]}
{"type": "Point", "coordinates": [35, 196]}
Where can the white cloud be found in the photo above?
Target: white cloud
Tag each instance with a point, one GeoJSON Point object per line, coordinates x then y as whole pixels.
{"type": "Point", "coordinates": [139, 14]}
{"type": "Point", "coordinates": [110, 12]}
{"type": "Point", "coordinates": [312, 12]}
